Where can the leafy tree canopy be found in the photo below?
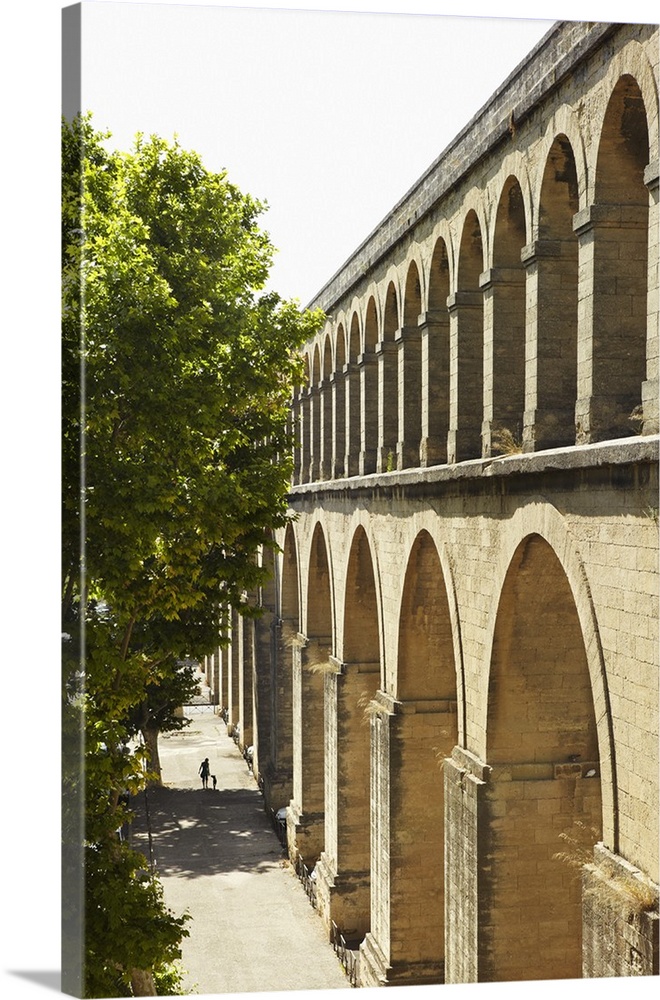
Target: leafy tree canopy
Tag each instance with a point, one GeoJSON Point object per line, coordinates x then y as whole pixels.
{"type": "Point", "coordinates": [177, 373]}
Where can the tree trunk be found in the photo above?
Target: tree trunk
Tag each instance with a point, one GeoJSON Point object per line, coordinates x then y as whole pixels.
{"type": "Point", "coordinates": [150, 734]}
{"type": "Point", "coordinates": [142, 982]}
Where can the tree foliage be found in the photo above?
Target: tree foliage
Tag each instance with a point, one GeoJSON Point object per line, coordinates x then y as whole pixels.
{"type": "Point", "coordinates": [177, 373]}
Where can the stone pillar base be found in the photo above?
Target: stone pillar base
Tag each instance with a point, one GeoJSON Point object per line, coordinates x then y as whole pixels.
{"type": "Point", "coordinates": [325, 880]}
{"type": "Point", "coordinates": [343, 900]}
{"type": "Point", "coordinates": [649, 413]}
{"type": "Point", "coordinates": [407, 455]}
{"type": "Point", "coordinates": [373, 969]}
{"type": "Point", "coordinates": [277, 788]}
{"type": "Point", "coordinates": [367, 463]}
{"type": "Point", "coordinates": [372, 965]}
{"type": "Point", "coordinates": [386, 459]}
{"type": "Point", "coordinates": [304, 834]}
{"type": "Point", "coordinates": [432, 452]}
{"type": "Point", "coordinates": [619, 918]}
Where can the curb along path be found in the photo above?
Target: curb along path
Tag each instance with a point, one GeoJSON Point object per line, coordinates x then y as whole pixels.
{"type": "Point", "coordinates": [253, 928]}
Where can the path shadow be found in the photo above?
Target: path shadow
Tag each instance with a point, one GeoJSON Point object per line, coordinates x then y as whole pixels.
{"type": "Point", "coordinates": [198, 832]}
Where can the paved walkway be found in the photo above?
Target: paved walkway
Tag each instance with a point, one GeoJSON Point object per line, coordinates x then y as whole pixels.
{"type": "Point", "coordinates": [253, 928]}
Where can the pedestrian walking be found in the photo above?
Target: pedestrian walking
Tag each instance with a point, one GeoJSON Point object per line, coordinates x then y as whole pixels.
{"type": "Point", "coordinates": [205, 770]}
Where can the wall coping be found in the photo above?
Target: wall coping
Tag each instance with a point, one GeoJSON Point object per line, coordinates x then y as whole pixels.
{"type": "Point", "coordinates": [624, 451]}
{"type": "Point", "coordinates": [551, 60]}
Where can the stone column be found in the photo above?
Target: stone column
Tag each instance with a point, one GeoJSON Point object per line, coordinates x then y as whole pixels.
{"type": "Point", "coordinates": [513, 903]}
{"type": "Point", "coordinates": [305, 814]}
{"type": "Point", "coordinates": [375, 952]}
{"type": "Point", "coordinates": [386, 354]}
{"type": "Point", "coordinates": [551, 344]}
{"type": "Point", "coordinates": [409, 345]}
{"type": "Point", "coordinates": [465, 859]}
{"type": "Point", "coordinates": [504, 354]}
{"type": "Point", "coordinates": [609, 296]}
{"type": "Point", "coordinates": [343, 872]}
{"type": "Point", "coordinates": [278, 785]}
{"type": "Point", "coordinates": [465, 375]}
{"type": "Point", "coordinates": [245, 643]}
{"type": "Point", "coordinates": [620, 922]}
{"type": "Point", "coordinates": [651, 384]}
{"type": "Point", "coordinates": [352, 420]}
{"type": "Point", "coordinates": [296, 433]}
{"type": "Point", "coordinates": [314, 433]}
{"type": "Point", "coordinates": [233, 651]}
{"type": "Point", "coordinates": [223, 675]}
{"type": "Point", "coordinates": [338, 389]}
{"type": "Point", "coordinates": [325, 406]}
{"type": "Point", "coordinates": [435, 389]}
{"type": "Point", "coordinates": [215, 678]}
{"type": "Point", "coordinates": [367, 366]}
{"type": "Point", "coordinates": [262, 683]}
{"type": "Point", "coordinates": [305, 405]}
{"type": "Point", "coordinates": [406, 943]}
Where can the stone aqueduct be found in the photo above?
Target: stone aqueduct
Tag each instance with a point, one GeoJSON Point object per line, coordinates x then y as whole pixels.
{"type": "Point", "coordinates": [453, 688]}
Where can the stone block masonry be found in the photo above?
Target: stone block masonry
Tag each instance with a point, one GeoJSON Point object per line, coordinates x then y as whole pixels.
{"type": "Point", "coordinates": [463, 677]}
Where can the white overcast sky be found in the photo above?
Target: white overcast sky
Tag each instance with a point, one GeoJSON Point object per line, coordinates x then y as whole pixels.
{"type": "Point", "coordinates": [330, 117]}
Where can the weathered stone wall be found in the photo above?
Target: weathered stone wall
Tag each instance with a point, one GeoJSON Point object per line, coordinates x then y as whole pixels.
{"type": "Point", "coordinates": [620, 918]}
{"type": "Point", "coordinates": [514, 290]}
{"type": "Point", "coordinates": [466, 600]}
{"type": "Point", "coordinates": [583, 608]}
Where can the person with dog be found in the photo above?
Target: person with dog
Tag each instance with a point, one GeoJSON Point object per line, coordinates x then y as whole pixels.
{"type": "Point", "coordinates": [204, 771]}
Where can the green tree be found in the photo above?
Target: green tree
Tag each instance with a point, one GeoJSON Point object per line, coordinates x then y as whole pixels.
{"type": "Point", "coordinates": [157, 713]}
{"type": "Point", "coordinates": [177, 373]}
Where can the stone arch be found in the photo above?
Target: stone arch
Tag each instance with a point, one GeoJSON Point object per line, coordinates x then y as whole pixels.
{"type": "Point", "coordinates": [412, 295]}
{"type": "Point", "coordinates": [504, 361]}
{"type": "Point", "coordinates": [349, 689]}
{"type": "Point", "coordinates": [304, 420]}
{"type": "Point", "coordinates": [315, 414]}
{"type": "Point", "coordinates": [390, 312]}
{"type": "Point", "coordinates": [423, 729]}
{"type": "Point", "coordinates": [630, 62]}
{"type": "Point", "coordinates": [369, 390]}
{"type": "Point", "coordinates": [563, 125]}
{"type": "Point", "coordinates": [311, 661]}
{"type": "Point", "coordinates": [472, 219]}
{"type": "Point", "coordinates": [388, 394]}
{"type": "Point", "coordinates": [540, 518]}
{"type": "Point", "coordinates": [319, 598]}
{"type": "Point", "coordinates": [426, 667]}
{"type": "Point", "coordinates": [326, 409]}
{"type": "Point", "coordinates": [435, 334]}
{"type": "Point", "coordinates": [514, 168]}
{"type": "Point", "coordinates": [439, 279]}
{"type": "Point", "coordinates": [316, 365]}
{"type": "Point", "coordinates": [620, 227]}
{"type": "Point", "coordinates": [340, 348]}
{"type": "Point", "coordinates": [467, 373]}
{"type": "Point", "coordinates": [354, 338]}
{"type": "Point", "coordinates": [409, 380]}
{"type": "Point", "coordinates": [339, 405]}
{"type": "Point", "coordinates": [264, 688]}
{"type": "Point", "coordinates": [289, 590]}
{"type": "Point", "coordinates": [542, 751]}
{"type": "Point", "coordinates": [554, 268]}
{"type": "Point", "coordinates": [352, 398]}
{"type": "Point", "coordinates": [361, 526]}
{"type": "Point", "coordinates": [361, 632]}
{"type": "Point", "coordinates": [279, 788]}
{"type": "Point", "coordinates": [327, 366]}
